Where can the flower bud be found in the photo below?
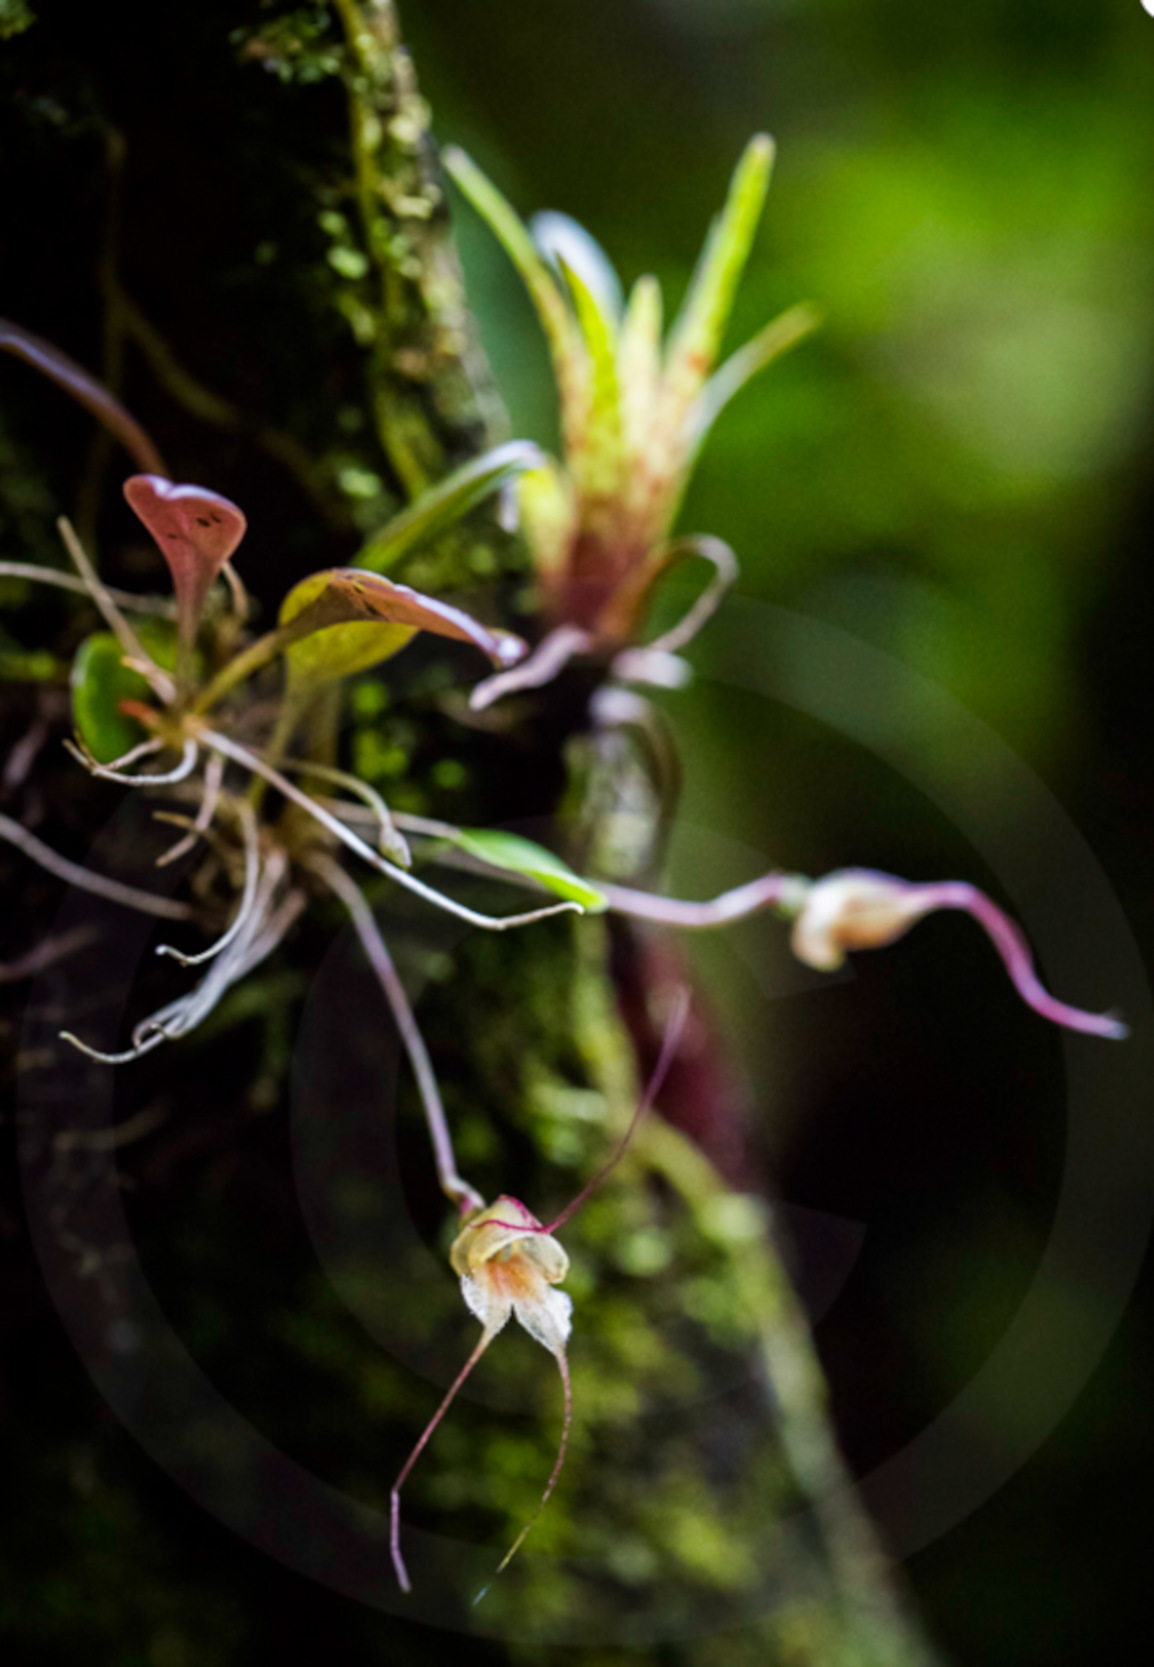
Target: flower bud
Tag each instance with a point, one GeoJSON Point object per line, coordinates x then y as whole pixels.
{"type": "Point", "coordinates": [854, 908]}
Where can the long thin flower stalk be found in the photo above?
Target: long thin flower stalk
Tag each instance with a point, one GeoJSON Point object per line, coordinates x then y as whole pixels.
{"type": "Point", "coordinates": [769, 891]}
{"type": "Point", "coordinates": [453, 1185]}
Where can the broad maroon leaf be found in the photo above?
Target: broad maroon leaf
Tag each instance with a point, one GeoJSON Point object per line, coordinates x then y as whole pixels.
{"type": "Point", "coordinates": [197, 531]}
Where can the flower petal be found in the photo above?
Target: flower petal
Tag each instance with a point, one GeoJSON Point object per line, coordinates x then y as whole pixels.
{"type": "Point", "coordinates": [547, 1315]}
{"type": "Point", "coordinates": [491, 1305]}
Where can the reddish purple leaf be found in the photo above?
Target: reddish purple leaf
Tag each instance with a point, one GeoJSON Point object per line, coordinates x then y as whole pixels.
{"type": "Point", "coordinates": [347, 595]}
{"type": "Point", "coordinates": [197, 531]}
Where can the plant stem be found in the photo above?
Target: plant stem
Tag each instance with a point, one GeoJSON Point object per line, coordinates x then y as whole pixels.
{"type": "Point", "coordinates": [453, 1186]}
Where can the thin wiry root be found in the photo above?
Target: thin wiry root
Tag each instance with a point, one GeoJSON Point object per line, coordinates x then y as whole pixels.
{"type": "Point", "coordinates": [453, 1185]}
{"type": "Point", "coordinates": [125, 599]}
{"type": "Point", "coordinates": [81, 753]}
{"type": "Point", "coordinates": [261, 930]}
{"type": "Point", "coordinates": [160, 681]}
{"type": "Point", "coordinates": [237, 591]}
{"type": "Point", "coordinates": [491, 923]}
{"type": "Point", "coordinates": [72, 873]}
{"type": "Point", "coordinates": [551, 656]}
{"type": "Point", "coordinates": [213, 777]}
{"type": "Point", "coordinates": [389, 840]}
{"type": "Point", "coordinates": [247, 819]}
{"type": "Point", "coordinates": [166, 778]}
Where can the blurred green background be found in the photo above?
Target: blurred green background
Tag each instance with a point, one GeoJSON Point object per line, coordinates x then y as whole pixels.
{"type": "Point", "coordinates": [958, 472]}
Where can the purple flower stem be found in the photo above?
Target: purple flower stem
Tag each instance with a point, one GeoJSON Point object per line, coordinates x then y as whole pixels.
{"type": "Point", "coordinates": [1010, 943]}
{"type": "Point", "coordinates": [768, 892]}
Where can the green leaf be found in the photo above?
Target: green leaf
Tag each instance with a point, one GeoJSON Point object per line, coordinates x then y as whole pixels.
{"type": "Point", "coordinates": [696, 336]}
{"type": "Point", "coordinates": [447, 502]}
{"type": "Point", "coordinates": [741, 367]}
{"type": "Point", "coordinates": [100, 681]}
{"type": "Point", "coordinates": [344, 619]}
{"type": "Point", "coordinates": [339, 651]}
{"type": "Point", "coordinates": [548, 511]}
{"type": "Point", "coordinates": [596, 465]}
{"type": "Point", "coordinates": [563, 240]}
{"type": "Point", "coordinates": [639, 372]}
{"type": "Point", "coordinates": [522, 856]}
{"type": "Point", "coordinates": [570, 366]}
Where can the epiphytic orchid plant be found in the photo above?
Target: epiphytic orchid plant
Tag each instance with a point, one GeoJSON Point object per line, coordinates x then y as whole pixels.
{"type": "Point", "coordinates": [634, 414]}
{"type": "Point", "coordinates": [177, 687]}
{"type": "Point", "coordinates": [175, 690]}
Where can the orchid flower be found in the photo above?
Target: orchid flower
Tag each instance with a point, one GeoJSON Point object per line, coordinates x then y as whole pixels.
{"type": "Point", "coordinates": [509, 1265]}
{"type": "Point", "coordinates": [859, 908]}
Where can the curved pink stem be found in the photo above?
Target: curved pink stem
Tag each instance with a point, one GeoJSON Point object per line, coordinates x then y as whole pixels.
{"type": "Point", "coordinates": [395, 1496]}
{"type": "Point", "coordinates": [767, 892]}
{"type": "Point", "coordinates": [551, 655]}
{"type": "Point", "coordinates": [1010, 942]}
{"type": "Point", "coordinates": [558, 1466]}
{"type": "Point", "coordinates": [669, 1047]}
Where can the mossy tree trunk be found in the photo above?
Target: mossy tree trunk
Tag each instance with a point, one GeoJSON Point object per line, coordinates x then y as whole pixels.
{"type": "Point", "coordinates": [241, 226]}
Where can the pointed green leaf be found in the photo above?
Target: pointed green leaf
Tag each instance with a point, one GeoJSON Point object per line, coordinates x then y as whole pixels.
{"type": "Point", "coordinates": [696, 336]}
{"type": "Point", "coordinates": [570, 365]}
{"type": "Point", "coordinates": [741, 367]}
{"type": "Point", "coordinates": [344, 619]}
{"type": "Point", "coordinates": [562, 239]}
{"type": "Point", "coordinates": [101, 680]}
{"type": "Point", "coordinates": [340, 650]}
{"type": "Point", "coordinates": [596, 464]}
{"type": "Point", "coordinates": [522, 856]}
{"type": "Point", "coordinates": [639, 370]}
{"type": "Point", "coordinates": [447, 502]}
{"type": "Point", "coordinates": [548, 512]}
